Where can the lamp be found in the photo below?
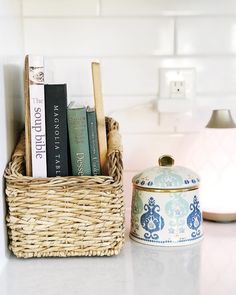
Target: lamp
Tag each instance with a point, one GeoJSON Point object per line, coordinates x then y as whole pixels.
{"type": "Point", "coordinates": [215, 161]}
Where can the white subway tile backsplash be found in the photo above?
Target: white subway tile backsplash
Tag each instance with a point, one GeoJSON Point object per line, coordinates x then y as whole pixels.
{"type": "Point", "coordinates": [10, 8]}
{"type": "Point", "coordinates": [206, 35]}
{"type": "Point", "coordinates": [206, 103]}
{"type": "Point", "coordinates": [213, 74]}
{"type": "Point", "coordinates": [143, 150]}
{"type": "Point", "coordinates": [137, 78]}
{"type": "Point", "coordinates": [115, 104]}
{"type": "Point", "coordinates": [10, 41]}
{"type": "Point", "coordinates": [120, 76]}
{"type": "Point", "coordinates": [75, 72]}
{"type": "Point", "coordinates": [133, 39]}
{"type": "Point", "coordinates": [127, 76]}
{"type": "Point", "coordinates": [10, 28]}
{"type": "Point", "coordinates": [216, 75]}
{"type": "Point", "coordinates": [60, 8]}
{"type": "Point", "coordinates": [142, 119]}
{"type": "Point", "coordinates": [99, 37]}
{"type": "Point", "coordinates": [167, 7]}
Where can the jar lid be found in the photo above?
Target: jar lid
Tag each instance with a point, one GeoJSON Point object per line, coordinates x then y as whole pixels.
{"type": "Point", "coordinates": [166, 176]}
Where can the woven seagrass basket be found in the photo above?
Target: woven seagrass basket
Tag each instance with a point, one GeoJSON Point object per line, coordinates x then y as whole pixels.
{"type": "Point", "coordinates": [66, 216]}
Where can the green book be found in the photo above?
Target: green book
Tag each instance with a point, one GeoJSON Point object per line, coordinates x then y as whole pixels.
{"type": "Point", "coordinates": [78, 139]}
{"type": "Point", "coordinates": [93, 141]}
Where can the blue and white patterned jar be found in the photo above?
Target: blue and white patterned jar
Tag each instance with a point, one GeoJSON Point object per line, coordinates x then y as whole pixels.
{"type": "Point", "coordinates": [165, 205]}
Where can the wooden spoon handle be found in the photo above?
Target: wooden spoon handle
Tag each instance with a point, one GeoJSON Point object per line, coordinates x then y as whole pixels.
{"type": "Point", "coordinates": [101, 125]}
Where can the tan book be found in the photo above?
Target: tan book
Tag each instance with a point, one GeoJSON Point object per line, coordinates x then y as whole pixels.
{"type": "Point", "coordinates": [28, 160]}
{"type": "Point", "coordinates": [101, 124]}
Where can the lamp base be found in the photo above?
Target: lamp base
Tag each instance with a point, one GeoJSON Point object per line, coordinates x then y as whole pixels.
{"type": "Point", "coordinates": [219, 217]}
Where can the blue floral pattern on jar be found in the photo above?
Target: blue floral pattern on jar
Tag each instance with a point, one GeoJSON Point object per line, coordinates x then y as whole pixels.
{"type": "Point", "coordinates": [194, 219]}
{"type": "Point", "coordinates": [168, 179]}
{"type": "Point", "coordinates": [177, 209]}
{"type": "Point", "coordinates": [151, 221]}
{"type": "Point", "coordinates": [137, 208]}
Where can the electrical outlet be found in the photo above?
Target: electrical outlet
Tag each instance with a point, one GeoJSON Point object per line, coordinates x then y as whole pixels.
{"type": "Point", "coordinates": [177, 83]}
{"type": "Point", "coordinates": [177, 89]}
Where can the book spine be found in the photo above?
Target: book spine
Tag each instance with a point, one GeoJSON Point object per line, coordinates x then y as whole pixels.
{"type": "Point", "coordinates": [78, 138]}
{"type": "Point", "coordinates": [56, 129]}
{"type": "Point", "coordinates": [37, 116]}
{"type": "Point", "coordinates": [93, 143]}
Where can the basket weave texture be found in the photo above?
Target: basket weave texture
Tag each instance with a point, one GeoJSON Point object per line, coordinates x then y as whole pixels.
{"type": "Point", "coordinates": [66, 216]}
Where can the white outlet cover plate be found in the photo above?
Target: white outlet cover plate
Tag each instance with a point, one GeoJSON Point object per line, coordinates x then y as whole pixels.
{"type": "Point", "coordinates": [170, 75]}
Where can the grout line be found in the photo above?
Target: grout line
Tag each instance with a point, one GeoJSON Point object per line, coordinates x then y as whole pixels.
{"type": "Point", "coordinates": [122, 95]}
{"type": "Point", "coordinates": [99, 8]}
{"type": "Point", "coordinates": [175, 37]}
{"type": "Point", "coordinates": [158, 133]}
{"type": "Point", "coordinates": [93, 16]}
{"type": "Point", "coordinates": [22, 27]}
{"type": "Point", "coordinates": [215, 94]}
{"type": "Point", "coordinates": [125, 56]}
{"type": "Point", "coordinates": [199, 95]}
{"type": "Point", "coordinates": [145, 56]}
{"type": "Point", "coordinates": [148, 96]}
{"type": "Point", "coordinates": [115, 16]}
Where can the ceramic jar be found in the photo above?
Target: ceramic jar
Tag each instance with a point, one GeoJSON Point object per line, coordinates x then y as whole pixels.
{"type": "Point", "coordinates": [165, 205]}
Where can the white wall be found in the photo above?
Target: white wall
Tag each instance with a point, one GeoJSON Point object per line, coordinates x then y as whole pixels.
{"type": "Point", "coordinates": [11, 104]}
{"type": "Point", "coordinates": [133, 39]}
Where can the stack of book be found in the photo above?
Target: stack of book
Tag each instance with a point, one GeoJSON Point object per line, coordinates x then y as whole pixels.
{"type": "Point", "coordinates": [61, 140]}
{"type": "Point", "coordinates": [83, 139]}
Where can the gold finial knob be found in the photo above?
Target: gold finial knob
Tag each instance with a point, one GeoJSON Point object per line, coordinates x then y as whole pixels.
{"type": "Point", "coordinates": [166, 160]}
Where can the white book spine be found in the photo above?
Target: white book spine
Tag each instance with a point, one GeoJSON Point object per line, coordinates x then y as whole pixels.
{"type": "Point", "coordinates": [37, 116]}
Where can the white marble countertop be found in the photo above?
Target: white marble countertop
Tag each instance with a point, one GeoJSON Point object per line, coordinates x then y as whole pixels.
{"type": "Point", "coordinates": [206, 268]}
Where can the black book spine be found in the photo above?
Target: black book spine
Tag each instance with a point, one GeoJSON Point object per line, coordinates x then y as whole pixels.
{"type": "Point", "coordinates": [56, 129]}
